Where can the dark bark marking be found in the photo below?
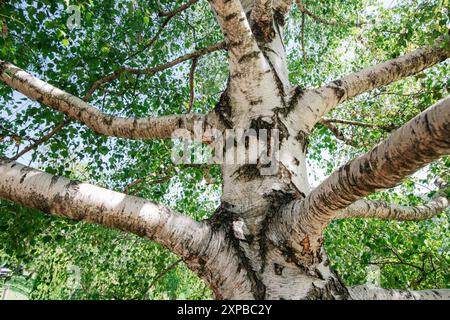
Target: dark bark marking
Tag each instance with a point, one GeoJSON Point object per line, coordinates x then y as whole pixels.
{"type": "Point", "coordinates": [259, 123]}
{"type": "Point", "coordinates": [73, 185]}
{"type": "Point", "coordinates": [249, 56]}
{"type": "Point", "coordinates": [279, 18]}
{"type": "Point", "coordinates": [223, 218]}
{"type": "Point", "coordinates": [332, 290]}
{"type": "Point", "coordinates": [230, 16]}
{"type": "Point", "coordinates": [298, 93]}
{"type": "Point", "coordinates": [223, 110]}
{"type": "Point", "coordinates": [306, 246]}
{"type": "Point", "coordinates": [263, 31]}
{"type": "Point", "coordinates": [256, 102]}
{"type": "Point", "coordinates": [53, 181]}
{"type": "Point", "coordinates": [278, 269]}
{"type": "Point", "coordinates": [247, 172]}
{"type": "Point", "coordinates": [303, 138]}
{"type": "Point", "coordinates": [278, 81]}
{"type": "Point", "coordinates": [2, 66]}
{"type": "Point", "coordinates": [338, 88]}
{"type": "Point", "coordinates": [107, 121]}
{"type": "Point", "coordinates": [24, 171]}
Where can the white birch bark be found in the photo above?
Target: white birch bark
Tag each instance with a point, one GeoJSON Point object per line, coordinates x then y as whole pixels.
{"type": "Point", "coordinates": [76, 108]}
{"type": "Point", "coordinates": [312, 104]}
{"type": "Point", "coordinates": [420, 141]}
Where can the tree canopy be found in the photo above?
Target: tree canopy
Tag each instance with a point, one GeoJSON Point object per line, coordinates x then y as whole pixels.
{"type": "Point", "coordinates": [113, 60]}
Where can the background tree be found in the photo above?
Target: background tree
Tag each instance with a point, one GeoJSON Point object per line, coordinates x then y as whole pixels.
{"type": "Point", "coordinates": [143, 70]}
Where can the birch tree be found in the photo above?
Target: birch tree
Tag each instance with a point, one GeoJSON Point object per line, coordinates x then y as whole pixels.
{"type": "Point", "coordinates": [265, 240]}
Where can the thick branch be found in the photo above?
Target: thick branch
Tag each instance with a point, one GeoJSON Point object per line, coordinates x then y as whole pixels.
{"type": "Point", "coordinates": [80, 201]}
{"type": "Point", "coordinates": [311, 105]}
{"type": "Point", "coordinates": [205, 251]}
{"type": "Point", "coordinates": [422, 140]}
{"type": "Point", "coordinates": [304, 10]}
{"type": "Point", "coordinates": [365, 292]}
{"type": "Point", "coordinates": [75, 108]}
{"type": "Point", "coordinates": [42, 140]}
{"type": "Point", "coordinates": [391, 211]}
{"type": "Point", "coordinates": [242, 47]}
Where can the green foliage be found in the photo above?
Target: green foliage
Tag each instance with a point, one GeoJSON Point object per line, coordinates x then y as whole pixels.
{"type": "Point", "coordinates": [56, 258]}
{"type": "Point", "coordinates": [46, 253]}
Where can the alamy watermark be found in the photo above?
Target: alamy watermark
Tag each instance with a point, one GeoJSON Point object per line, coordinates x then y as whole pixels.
{"type": "Point", "coordinates": [208, 145]}
{"type": "Point", "coordinates": [373, 278]}
{"type": "Point", "coordinates": [74, 20]}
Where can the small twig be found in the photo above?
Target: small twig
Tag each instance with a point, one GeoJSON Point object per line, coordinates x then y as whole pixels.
{"type": "Point", "coordinates": [301, 6]}
{"type": "Point", "coordinates": [152, 70]}
{"type": "Point", "coordinates": [163, 273]}
{"type": "Point", "coordinates": [339, 134]}
{"type": "Point", "coordinates": [140, 180]}
{"type": "Point", "coordinates": [359, 123]}
{"type": "Point", "coordinates": [42, 140]}
{"type": "Point", "coordinates": [178, 10]}
{"type": "Point", "coordinates": [191, 84]}
{"type": "Point", "coordinates": [303, 37]}
{"type": "Point", "coordinates": [131, 184]}
{"type": "Point", "coordinates": [9, 133]}
{"type": "Point", "coordinates": [169, 16]}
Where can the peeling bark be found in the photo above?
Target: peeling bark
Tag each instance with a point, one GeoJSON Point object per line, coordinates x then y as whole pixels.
{"type": "Point", "coordinates": [262, 19]}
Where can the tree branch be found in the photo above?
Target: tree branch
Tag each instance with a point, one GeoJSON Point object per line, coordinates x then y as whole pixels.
{"type": "Point", "coordinates": [152, 70]}
{"type": "Point", "coordinates": [365, 292]}
{"type": "Point", "coordinates": [312, 104]}
{"type": "Point", "coordinates": [281, 7]}
{"type": "Point", "coordinates": [178, 10]}
{"type": "Point", "coordinates": [420, 141]}
{"type": "Point", "coordinates": [262, 20]}
{"type": "Point", "coordinates": [243, 50]}
{"type": "Point", "coordinates": [75, 108]}
{"type": "Point", "coordinates": [205, 251]}
{"type": "Point", "coordinates": [162, 274]}
{"type": "Point", "coordinates": [301, 6]}
{"type": "Point", "coordinates": [80, 201]}
{"type": "Point", "coordinates": [302, 37]}
{"type": "Point", "coordinates": [358, 124]}
{"type": "Point", "coordinates": [169, 16]}
{"type": "Point", "coordinates": [339, 134]}
{"type": "Point", "coordinates": [192, 84]}
{"type": "Point", "coordinates": [389, 211]}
